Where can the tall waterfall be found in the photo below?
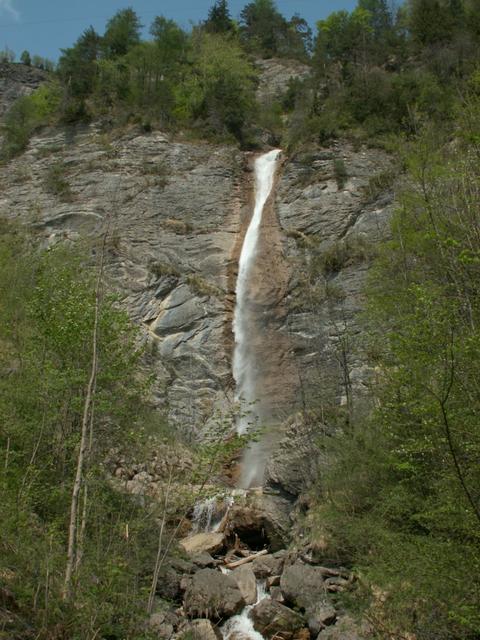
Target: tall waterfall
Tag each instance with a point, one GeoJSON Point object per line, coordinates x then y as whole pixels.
{"type": "Point", "coordinates": [244, 360]}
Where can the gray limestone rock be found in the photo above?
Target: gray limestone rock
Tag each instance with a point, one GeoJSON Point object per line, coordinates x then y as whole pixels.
{"type": "Point", "coordinates": [212, 595]}
{"type": "Point", "coordinates": [346, 629]}
{"type": "Point", "coordinates": [302, 585]}
{"type": "Point", "coordinates": [203, 630]}
{"type": "Point", "coordinates": [247, 583]}
{"type": "Point", "coordinates": [272, 619]}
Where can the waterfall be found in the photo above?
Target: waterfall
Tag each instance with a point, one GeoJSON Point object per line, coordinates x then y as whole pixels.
{"type": "Point", "coordinates": [244, 356]}
{"type": "Point", "coordinates": [241, 625]}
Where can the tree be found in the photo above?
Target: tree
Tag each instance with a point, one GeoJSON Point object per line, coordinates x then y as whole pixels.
{"type": "Point", "coordinates": [344, 36]}
{"type": "Point", "coordinates": [25, 58]}
{"type": "Point", "coordinates": [219, 89]}
{"type": "Point", "coordinates": [122, 33]}
{"type": "Point", "coordinates": [381, 16]}
{"type": "Point", "coordinates": [171, 42]}
{"type": "Point", "coordinates": [262, 26]}
{"type": "Point", "coordinates": [7, 55]}
{"type": "Point", "coordinates": [429, 22]}
{"type": "Point", "coordinates": [48, 314]}
{"type": "Point", "coordinates": [77, 65]}
{"type": "Point", "coordinates": [219, 19]}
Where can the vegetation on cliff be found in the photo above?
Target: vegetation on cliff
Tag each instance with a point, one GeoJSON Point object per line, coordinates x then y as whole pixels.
{"type": "Point", "coordinates": [401, 500]}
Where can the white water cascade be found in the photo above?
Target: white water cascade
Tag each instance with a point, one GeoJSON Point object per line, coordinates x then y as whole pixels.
{"type": "Point", "coordinates": [241, 625]}
{"type": "Point", "coordinates": [244, 356]}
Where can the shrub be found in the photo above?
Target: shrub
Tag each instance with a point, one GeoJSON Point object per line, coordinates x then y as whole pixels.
{"type": "Point", "coordinates": [56, 183]}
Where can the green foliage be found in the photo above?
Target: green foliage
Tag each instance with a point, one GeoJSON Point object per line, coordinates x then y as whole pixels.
{"type": "Point", "coordinates": [47, 313]}
{"type": "Point", "coordinates": [25, 58]}
{"type": "Point", "coordinates": [218, 93]}
{"type": "Point", "coordinates": [56, 183]}
{"type": "Point", "coordinates": [26, 115]}
{"type": "Point", "coordinates": [7, 55]}
{"type": "Point", "coordinates": [219, 19]}
{"type": "Point", "coordinates": [340, 172]}
{"type": "Point", "coordinates": [401, 502]}
{"type": "Point", "coordinates": [265, 31]}
{"type": "Point", "coordinates": [121, 34]}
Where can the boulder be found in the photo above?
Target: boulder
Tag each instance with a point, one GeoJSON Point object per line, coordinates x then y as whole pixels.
{"type": "Point", "coordinates": [320, 616]}
{"type": "Point", "coordinates": [273, 581]}
{"type": "Point", "coordinates": [276, 594]}
{"type": "Point", "coordinates": [202, 630]}
{"type": "Point", "coordinates": [169, 586]}
{"type": "Point", "coordinates": [159, 625]}
{"type": "Point", "coordinates": [203, 560]}
{"type": "Point", "coordinates": [346, 629]}
{"type": "Point", "coordinates": [272, 619]}
{"type": "Point", "coordinates": [302, 585]}
{"type": "Point", "coordinates": [212, 595]}
{"type": "Point", "coordinates": [266, 566]}
{"type": "Point", "coordinates": [247, 583]}
{"type": "Point", "coordinates": [203, 543]}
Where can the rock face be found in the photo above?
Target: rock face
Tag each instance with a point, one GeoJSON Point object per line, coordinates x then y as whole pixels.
{"type": "Point", "coordinates": [212, 595]}
{"type": "Point", "coordinates": [263, 522]}
{"type": "Point", "coordinates": [17, 80]}
{"type": "Point", "coordinates": [273, 619]}
{"type": "Point", "coordinates": [178, 212]}
{"type": "Point", "coordinates": [275, 74]}
{"type": "Point", "coordinates": [175, 213]}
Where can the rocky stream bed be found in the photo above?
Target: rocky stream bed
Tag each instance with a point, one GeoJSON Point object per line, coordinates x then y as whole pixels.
{"type": "Point", "coordinates": [234, 582]}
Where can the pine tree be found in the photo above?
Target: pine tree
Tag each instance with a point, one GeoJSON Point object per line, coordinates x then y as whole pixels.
{"type": "Point", "coordinates": [25, 58]}
{"type": "Point", "coordinates": [219, 19]}
{"type": "Point", "coordinates": [122, 33]}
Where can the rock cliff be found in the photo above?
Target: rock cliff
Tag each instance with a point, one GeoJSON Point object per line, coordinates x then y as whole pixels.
{"type": "Point", "coordinates": [17, 80]}
{"type": "Point", "coordinates": [178, 212]}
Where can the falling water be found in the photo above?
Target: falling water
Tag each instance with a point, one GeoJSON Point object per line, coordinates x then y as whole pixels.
{"type": "Point", "coordinates": [244, 353]}
{"type": "Point", "coordinates": [241, 625]}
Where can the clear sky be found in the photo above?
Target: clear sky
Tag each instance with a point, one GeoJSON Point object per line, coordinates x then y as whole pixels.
{"type": "Point", "coordinates": [45, 26]}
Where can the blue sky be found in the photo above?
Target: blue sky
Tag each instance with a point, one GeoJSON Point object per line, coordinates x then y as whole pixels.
{"type": "Point", "coordinates": [45, 26]}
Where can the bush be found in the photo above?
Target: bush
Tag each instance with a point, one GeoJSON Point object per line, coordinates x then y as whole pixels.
{"type": "Point", "coordinates": [55, 182]}
{"type": "Point", "coordinates": [28, 114]}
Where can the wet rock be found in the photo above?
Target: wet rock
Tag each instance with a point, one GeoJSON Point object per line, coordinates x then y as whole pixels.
{"type": "Point", "coordinates": [182, 566]}
{"type": "Point", "coordinates": [203, 543]}
{"type": "Point", "coordinates": [247, 583]}
{"type": "Point", "coordinates": [203, 630]}
{"type": "Point", "coordinates": [212, 595]}
{"type": "Point", "coordinates": [273, 619]}
{"type": "Point", "coordinates": [291, 467]}
{"type": "Point", "coordinates": [263, 522]}
{"type": "Point", "coordinates": [276, 594]}
{"type": "Point", "coordinates": [302, 585]}
{"type": "Point", "coordinates": [273, 581]}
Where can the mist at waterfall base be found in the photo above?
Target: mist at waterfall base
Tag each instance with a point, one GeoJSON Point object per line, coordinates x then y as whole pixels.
{"type": "Point", "coordinates": [244, 356]}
